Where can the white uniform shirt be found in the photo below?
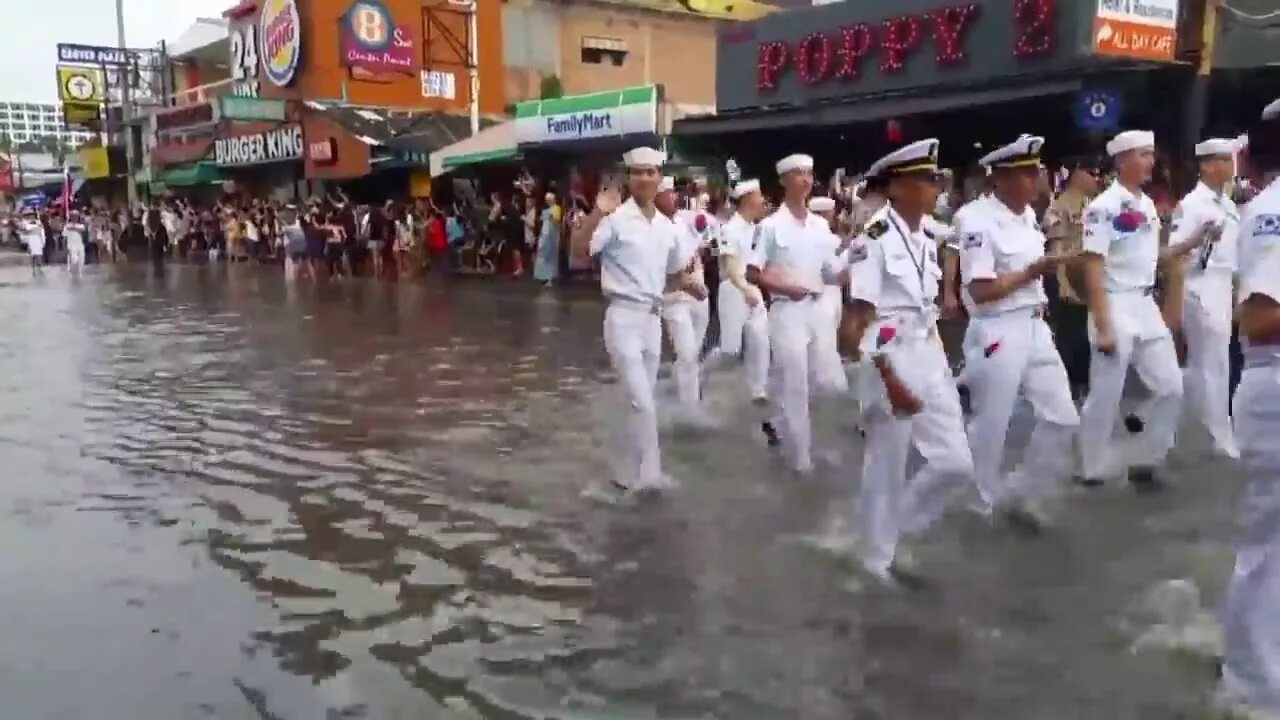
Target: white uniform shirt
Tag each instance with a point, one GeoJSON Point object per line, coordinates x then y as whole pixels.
{"type": "Point", "coordinates": [1203, 205]}
{"type": "Point", "coordinates": [737, 238]}
{"type": "Point", "coordinates": [637, 254]}
{"type": "Point", "coordinates": [74, 234]}
{"type": "Point", "coordinates": [997, 241]}
{"type": "Point", "coordinates": [961, 216]}
{"type": "Point", "coordinates": [33, 236]}
{"type": "Point", "coordinates": [690, 246]}
{"type": "Point", "coordinates": [1125, 230]}
{"type": "Point", "coordinates": [1260, 245]}
{"type": "Point", "coordinates": [804, 249]}
{"type": "Point", "coordinates": [897, 272]}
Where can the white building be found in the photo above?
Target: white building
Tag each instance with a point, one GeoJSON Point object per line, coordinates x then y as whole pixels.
{"type": "Point", "coordinates": [29, 122]}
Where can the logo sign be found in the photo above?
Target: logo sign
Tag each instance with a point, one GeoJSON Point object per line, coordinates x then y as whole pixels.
{"type": "Point", "coordinates": [265, 147]}
{"type": "Point", "coordinates": [79, 84]}
{"type": "Point", "coordinates": [1145, 29]}
{"type": "Point", "coordinates": [280, 40]}
{"type": "Point", "coordinates": [247, 108]}
{"type": "Point", "coordinates": [95, 55]}
{"type": "Point", "coordinates": [186, 116]}
{"type": "Point", "coordinates": [371, 41]}
{"type": "Point", "coordinates": [322, 152]}
{"type": "Point", "coordinates": [1097, 110]}
{"type": "Point", "coordinates": [439, 83]}
{"type": "Point", "coordinates": [243, 43]}
{"type": "Point", "coordinates": [82, 114]}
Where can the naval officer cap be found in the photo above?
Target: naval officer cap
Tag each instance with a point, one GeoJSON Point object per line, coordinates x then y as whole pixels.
{"type": "Point", "coordinates": [1021, 153]}
{"type": "Point", "coordinates": [1272, 111]}
{"type": "Point", "coordinates": [667, 185]}
{"type": "Point", "coordinates": [644, 157]}
{"type": "Point", "coordinates": [822, 204]}
{"type": "Point", "coordinates": [918, 157]}
{"type": "Point", "coordinates": [1216, 146]}
{"type": "Point", "coordinates": [794, 162]}
{"type": "Point", "coordinates": [744, 188]}
{"type": "Point", "coordinates": [1131, 140]}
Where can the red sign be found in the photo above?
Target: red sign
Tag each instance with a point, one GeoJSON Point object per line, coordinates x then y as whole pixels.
{"type": "Point", "coordinates": [372, 42]}
{"type": "Point", "coordinates": [322, 152]}
{"type": "Point", "coordinates": [185, 116]}
{"type": "Point", "coordinates": [1135, 40]}
{"type": "Point", "coordinates": [843, 53]}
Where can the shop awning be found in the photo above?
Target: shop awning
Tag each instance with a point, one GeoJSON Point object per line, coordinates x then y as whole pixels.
{"type": "Point", "coordinates": [865, 110]}
{"type": "Point", "coordinates": [201, 173]}
{"type": "Point", "coordinates": [497, 142]}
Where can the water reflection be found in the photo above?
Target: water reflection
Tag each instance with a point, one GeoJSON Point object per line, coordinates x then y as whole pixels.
{"type": "Point", "coordinates": [232, 498]}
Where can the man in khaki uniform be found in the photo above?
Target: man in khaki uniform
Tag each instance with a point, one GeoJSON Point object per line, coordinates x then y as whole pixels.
{"type": "Point", "coordinates": [1068, 314]}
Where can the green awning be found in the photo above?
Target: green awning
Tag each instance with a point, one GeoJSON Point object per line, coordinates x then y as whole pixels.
{"type": "Point", "coordinates": [199, 173]}
{"type": "Point", "coordinates": [456, 161]}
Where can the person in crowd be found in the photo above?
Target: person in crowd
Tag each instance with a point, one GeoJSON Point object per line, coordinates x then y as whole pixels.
{"type": "Point", "coordinates": [828, 369]}
{"type": "Point", "coordinates": [546, 268]}
{"type": "Point", "coordinates": [334, 243]}
{"type": "Point", "coordinates": [404, 234]}
{"type": "Point", "coordinates": [685, 313]}
{"type": "Point", "coordinates": [437, 238]}
{"type": "Point", "coordinates": [512, 222]}
{"type": "Point", "coordinates": [33, 236]}
{"type": "Point", "coordinates": [529, 219]}
{"type": "Point", "coordinates": [74, 232]}
{"type": "Point", "coordinates": [296, 238]}
{"type": "Point", "coordinates": [1068, 315]}
{"type": "Point", "coordinates": [744, 320]}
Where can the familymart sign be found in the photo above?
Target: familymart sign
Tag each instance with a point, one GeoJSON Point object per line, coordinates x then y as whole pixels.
{"type": "Point", "coordinates": [614, 113]}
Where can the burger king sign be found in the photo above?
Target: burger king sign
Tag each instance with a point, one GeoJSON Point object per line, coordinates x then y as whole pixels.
{"type": "Point", "coordinates": [280, 40]}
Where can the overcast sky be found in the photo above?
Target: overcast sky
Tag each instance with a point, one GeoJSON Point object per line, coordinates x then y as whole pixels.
{"type": "Point", "coordinates": [30, 32]}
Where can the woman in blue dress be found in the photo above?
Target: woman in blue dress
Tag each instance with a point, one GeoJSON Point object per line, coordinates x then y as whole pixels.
{"type": "Point", "coordinates": [546, 268]}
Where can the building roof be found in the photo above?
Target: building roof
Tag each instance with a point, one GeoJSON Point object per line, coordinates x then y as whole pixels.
{"type": "Point", "coordinates": [410, 131]}
{"type": "Point", "coordinates": [201, 34]}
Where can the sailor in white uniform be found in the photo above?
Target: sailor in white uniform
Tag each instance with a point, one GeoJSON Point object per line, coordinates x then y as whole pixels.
{"type": "Point", "coordinates": [73, 233]}
{"type": "Point", "coordinates": [1009, 347]}
{"type": "Point", "coordinates": [1251, 666]}
{"type": "Point", "coordinates": [32, 232]}
{"type": "Point", "coordinates": [796, 259]}
{"type": "Point", "coordinates": [1121, 252]}
{"type": "Point", "coordinates": [827, 372]}
{"type": "Point", "coordinates": [1208, 301]}
{"type": "Point", "coordinates": [641, 258]}
{"type": "Point", "coordinates": [744, 320]}
{"type": "Point", "coordinates": [685, 315]}
{"type": "Point", "coordinates": [911, 400]}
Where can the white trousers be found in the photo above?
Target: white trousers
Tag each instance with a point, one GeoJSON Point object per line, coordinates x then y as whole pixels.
{"type": "Point", "coordinates": [1206, 326]}
{"type": "Point", "coordinates": [1143, 341]}
{"type": "Point", "coordinates": [793, 337]}
{"type": "Point", "coordinates": [633, 339]}
{"type": "Point", "coordinates": [1006, 356]}
{"type": "Point", "coordinates": [1251, 616]}
{"type": "Point", "coordinates": [75, 259]}
{"type": "Point", "coordinates": [745, 329]}
{"type": "Point", "coordinates": [890, 505]}
{"type": "Point", "coordinates": [686, 321]}
{"type": "Point", "coordinates": [828, 370]}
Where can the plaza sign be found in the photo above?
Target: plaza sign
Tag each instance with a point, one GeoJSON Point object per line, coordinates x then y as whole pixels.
{"type": "Point", "coordinates": [630, 111]}
{"type": "Point", "coordinates": [265, 147]}
{"type": "Point", "coordinates": [95, 55]}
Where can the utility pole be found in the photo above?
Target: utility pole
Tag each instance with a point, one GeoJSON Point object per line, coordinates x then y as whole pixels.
{"type": "Point", "coordinates": [126, 106]}
{"type": "Point", "coordinates": [473, 65]}
{"type": "Point", "coordinates": [1198, 98]}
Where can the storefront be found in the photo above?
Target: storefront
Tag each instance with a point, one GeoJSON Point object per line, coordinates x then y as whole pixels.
{"type": "Point", "coordinates": [263, 164]}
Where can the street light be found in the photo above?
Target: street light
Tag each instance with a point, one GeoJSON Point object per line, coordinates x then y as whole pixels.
{"type": "Point", "coordinates": [126, 107]}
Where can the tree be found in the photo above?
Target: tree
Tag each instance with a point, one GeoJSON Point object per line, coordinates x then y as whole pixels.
{"type": "Point", "coordinates": [550, 87]}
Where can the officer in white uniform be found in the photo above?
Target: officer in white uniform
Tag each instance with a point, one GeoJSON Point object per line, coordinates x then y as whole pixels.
{"type": "Point", "coordinates": [796, 260]}
{"type": "Point", "coordinates": [911, 401]}
{"type": "Point", "coordinates": [1121, 251]}
{"type": "Point", "coordinates": [828, 370]}
{"type": "Point", "coordinates": [33, 236]}
{"type": "Point", "coordinates": [1009, 347]}
{"type": "Point", "coordinates": [1251, 666]}
{"type": "Point", "coordinates": [1208, 301]}
{"type": "Point", "coordinates": [686, 316]}
{"type": "Point", "coordinates": [641, 257]}
{"type": "Point", "coordinates": [73, 233]}
{"type": "Point", "coordinates": [744, 321]}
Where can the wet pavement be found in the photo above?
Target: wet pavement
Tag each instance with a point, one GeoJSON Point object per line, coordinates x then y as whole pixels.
{"type": "Point", "coordinates": [225, 498]}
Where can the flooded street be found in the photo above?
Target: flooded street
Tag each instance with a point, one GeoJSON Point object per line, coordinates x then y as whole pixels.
{"type": "Point", "coordinates": [226, 498]}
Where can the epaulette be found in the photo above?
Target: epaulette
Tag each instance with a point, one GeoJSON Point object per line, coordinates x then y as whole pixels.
{"type": "Point", "coordinates": [928, 233]}
{"type": "Point", "coordinates": [876, 229]}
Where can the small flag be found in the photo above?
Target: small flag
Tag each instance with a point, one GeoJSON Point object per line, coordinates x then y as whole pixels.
{"type": "Point", "coordinates": [990, 349]}
{"type": "Point", "coordinates": [885, 336]}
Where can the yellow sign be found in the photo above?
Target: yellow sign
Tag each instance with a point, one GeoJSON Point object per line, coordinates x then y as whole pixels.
{"type": "Point", "coordinates": [94, 163]}
{"type": "Point", "coordinates": [81, 114]}
{"type": "Point", "coordinates": [420, 183]}
{"type": "Point", "coordinates": [79, 84]}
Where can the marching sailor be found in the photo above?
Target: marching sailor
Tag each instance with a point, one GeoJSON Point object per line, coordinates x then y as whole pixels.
{"type": "Point", "coordinates": [744, 321]}
{"type": "Point", "coordinates": [796, 259]}
{"type": "Point", "coordinates": [1251, 666]}
{"type": "Point", "coordinates": [1208, 302]}
{"type": "Point", "coordinates": [828, 371]}
{"type": "Point", "coordinates": [686, 315]}
{"type": "Point", "coordinates": [1009, 347]}
{"type": "Point", "coordinates": [641, 257]}
{"type": "Point", "coordinates": [911, 400]}
{"type": "Point", "coordinates": [1121, 252]}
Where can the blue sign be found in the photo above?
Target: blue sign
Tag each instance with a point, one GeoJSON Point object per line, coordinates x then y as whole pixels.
{"type": "Point", "coordinates": [34, 201]}
{"type": "Point", "coordinates": [1097, 110]}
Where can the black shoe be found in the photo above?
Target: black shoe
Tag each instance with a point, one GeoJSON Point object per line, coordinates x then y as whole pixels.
{"type": "Point", "coordinates": [1090, 482]}
{"type": "Point", "coordinates": [1134, 424]}
{"type": "Point", "coordinates": [770, 434]}
{"type": "Point", "coordinates": [1144, 479]}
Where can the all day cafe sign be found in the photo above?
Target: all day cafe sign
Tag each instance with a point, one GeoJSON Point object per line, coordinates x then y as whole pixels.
{"type": "Point", "coordinates": [614, 113]}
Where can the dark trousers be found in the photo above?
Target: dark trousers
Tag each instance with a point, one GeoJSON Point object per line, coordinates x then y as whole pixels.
{"type": "Point", "coordinates": [1070, 324]}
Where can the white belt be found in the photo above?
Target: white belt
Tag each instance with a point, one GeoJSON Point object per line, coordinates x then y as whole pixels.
{"type": "Point", "coordinates": [627, 303]}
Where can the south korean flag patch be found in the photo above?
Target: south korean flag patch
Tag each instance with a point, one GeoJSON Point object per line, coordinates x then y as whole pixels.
{"type": "Point", "coordinates": [971, 241]}
{"type": "Point", "coordinates": [1266, 226]}
{"type": "Point", "coordinates": [857, 253]}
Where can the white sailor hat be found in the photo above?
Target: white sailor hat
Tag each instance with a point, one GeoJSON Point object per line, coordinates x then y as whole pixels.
{"type": "Point", "coordinates": [744, 188]}
{"type": "Point", "coordinates": [1216, 146]}
{"type": "Point", "coordinates": [1021, 153]}
{"type": "Point", "coordinates": [794, 162]}
{"type": "Point", "coordinates": [1130, 140]}
{"type": "Point", "coordinates": [919, 156]}
{"type": "Point", "coordinates": [644, 157]}
{"type": "Point", "coordinates": [668, 184]}
{"type": "Point", "coordinates": [821, 204]}
{"type": "Point", "coordinates": [1272, 111]}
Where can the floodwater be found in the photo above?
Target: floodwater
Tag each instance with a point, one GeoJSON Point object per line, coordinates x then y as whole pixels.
{"type": "Point", "coordinates": [223, 498]}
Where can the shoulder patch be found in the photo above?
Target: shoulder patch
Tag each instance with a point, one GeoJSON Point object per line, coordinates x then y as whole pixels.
{"type": "Point", "coordinates": [876, 229]}
{"type": "Point", "coordinates": [971, 240]}
{"type": "Point", "coordinates": [928, 233]}
{"type": "Point", "coordinates": [857, 252]}
{"type": "Point", "coordinates": [1266, 225]}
